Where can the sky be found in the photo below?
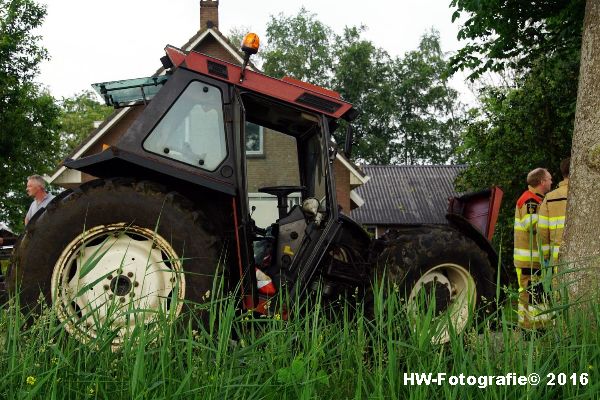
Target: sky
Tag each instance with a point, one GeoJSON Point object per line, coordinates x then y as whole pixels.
{"type": "Point", "coordinates": [107, 40]}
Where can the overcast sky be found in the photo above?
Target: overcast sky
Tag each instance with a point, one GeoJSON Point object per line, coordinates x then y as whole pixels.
{"type": "Point", "coordinates": [99, 41]}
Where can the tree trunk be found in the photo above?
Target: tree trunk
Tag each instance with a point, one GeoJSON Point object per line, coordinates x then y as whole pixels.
{"type": "Point", "coordinates": [581, 247]}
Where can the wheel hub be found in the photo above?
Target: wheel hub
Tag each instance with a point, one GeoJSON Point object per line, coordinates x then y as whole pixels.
{"type": "Point", "coordinates": [438, 294]}
{"type": "Point", "coordinates": [452, 288]}
{"type": "Point", "coordinates": [115, 277]}
{"type": "Point", "coordinates": [121, 285]}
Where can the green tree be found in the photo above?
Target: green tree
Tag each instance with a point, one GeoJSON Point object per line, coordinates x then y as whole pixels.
{"type": "Point", "coordinates": [362, 75]}
{"type": "Point", "coordinates": [529, 123]}
{"type": "Point", "coordinates": [515, 34]}
{"type": "Point", "coordinates": [408, 113]}
{"type": "Point", "coordinates": [518, 129]}
{"type": "Point", "coordinates": [299, 46]}
{"type": "Point", "coordinates": [429, 116]}
{"type": "Point", "coordinates": [79, 115]}
{"type": "Point", "coordinates": [29, 130]}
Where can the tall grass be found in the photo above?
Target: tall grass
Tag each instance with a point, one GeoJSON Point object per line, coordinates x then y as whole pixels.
{"type": "Point", "coordinates": [314, 354]}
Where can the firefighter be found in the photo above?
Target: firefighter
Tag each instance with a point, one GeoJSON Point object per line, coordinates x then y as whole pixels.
{"type": "Point", "coordinates": [551, 216]}
{"type": "Point", "coordinates": [526, 250]}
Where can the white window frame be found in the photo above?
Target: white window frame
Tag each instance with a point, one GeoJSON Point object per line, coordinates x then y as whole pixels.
{"type": "Point", "coordinates": [261, 146]}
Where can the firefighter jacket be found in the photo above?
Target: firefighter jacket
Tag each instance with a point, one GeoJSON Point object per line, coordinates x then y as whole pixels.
{"type": "Point", "coordinates": [551, 221]}
{"type": "Point", "coordinates": [526, 252]}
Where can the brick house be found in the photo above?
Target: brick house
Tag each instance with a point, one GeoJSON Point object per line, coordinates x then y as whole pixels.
{"type": "Point", "coordinates": [267, 150]}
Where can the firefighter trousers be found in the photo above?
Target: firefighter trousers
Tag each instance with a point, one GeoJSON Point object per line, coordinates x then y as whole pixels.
{"type": "Point", "coordinates": [534, 305]}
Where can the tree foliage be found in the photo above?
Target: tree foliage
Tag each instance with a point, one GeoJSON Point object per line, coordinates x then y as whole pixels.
{"type": "Point", "coordinates": [299, 46]}
{"type": "Point", "coordinates": [517, 130]}
{"type": "Point", "coordinates": [362, 76]}
{"type": "Point", "coordinates": [408, 113]}
{"type": "Point", "coordinates": [79, 116]}
{"type": "Point", "coordinates": [29, 130]}
{"type": "Point", "coordinates": [505, 34]}
{"type": "Point", "coordinates": [429, 114]}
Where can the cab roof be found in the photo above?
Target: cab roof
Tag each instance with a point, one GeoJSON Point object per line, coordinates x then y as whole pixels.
{"type": "Point", "coordinates": [288, 89]}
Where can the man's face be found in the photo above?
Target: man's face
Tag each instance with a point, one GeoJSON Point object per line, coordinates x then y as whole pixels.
{"type": "Point", "coordinates": [33, 188]}
{"type": "Point", "coordinates": [546, 184]}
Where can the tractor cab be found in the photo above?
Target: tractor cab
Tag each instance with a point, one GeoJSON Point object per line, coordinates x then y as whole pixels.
{"type": "Point", "coordinates": [258, 146]}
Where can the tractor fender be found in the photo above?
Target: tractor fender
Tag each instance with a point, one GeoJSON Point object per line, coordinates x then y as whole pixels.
{"type": "Point", "coordinates": [352, 234]}
{"type": "Point", "coordinates": [113, 162]}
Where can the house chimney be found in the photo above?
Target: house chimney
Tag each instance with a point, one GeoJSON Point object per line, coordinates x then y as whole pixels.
{"type": "Point", "coordinates": [209, 14]}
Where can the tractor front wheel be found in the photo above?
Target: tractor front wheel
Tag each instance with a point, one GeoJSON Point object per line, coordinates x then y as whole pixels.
{"type": "Point", "coordinates": [114, 255]}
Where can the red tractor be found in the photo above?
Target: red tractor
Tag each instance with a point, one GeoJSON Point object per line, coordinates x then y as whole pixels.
{"type": "Point", "coordinates": [169, 212]}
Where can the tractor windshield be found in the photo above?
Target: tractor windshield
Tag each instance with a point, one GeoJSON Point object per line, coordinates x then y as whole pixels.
{"type": "Point", "coordinates": [131, 91]}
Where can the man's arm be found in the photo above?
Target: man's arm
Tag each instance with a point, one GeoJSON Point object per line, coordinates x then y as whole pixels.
{"type": "Point", "coordinates": [543, 230]}
{"type": "Point", "coordinates": [517, 234]}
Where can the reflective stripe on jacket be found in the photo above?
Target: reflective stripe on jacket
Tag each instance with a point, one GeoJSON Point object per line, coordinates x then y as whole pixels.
{"type": "Point", "coordinates": [552, 220]}
{"type": "Point", "coordinates": [526, 252]}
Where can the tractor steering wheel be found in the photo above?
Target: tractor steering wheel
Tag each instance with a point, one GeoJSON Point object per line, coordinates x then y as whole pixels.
{"type": "Point", "coordinates": [282, 193]}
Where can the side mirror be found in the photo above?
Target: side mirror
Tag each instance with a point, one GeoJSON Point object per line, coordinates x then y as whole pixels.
{"type": "Point", "coordinates": [348, 144]}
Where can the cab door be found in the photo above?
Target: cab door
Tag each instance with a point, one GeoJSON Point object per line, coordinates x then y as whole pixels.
{"type": "Point", "coordinates": [241, 214]}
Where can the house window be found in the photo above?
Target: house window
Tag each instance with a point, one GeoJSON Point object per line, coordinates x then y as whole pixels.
{"type": "Point", "coordinates": [254, 140]}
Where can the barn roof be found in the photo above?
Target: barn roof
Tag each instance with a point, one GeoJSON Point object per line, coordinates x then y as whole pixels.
{"type": "Point", "coordinates": [406, 194]}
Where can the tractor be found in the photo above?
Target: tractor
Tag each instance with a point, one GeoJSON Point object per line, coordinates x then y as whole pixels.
{"type": "Point", "coordinates": [169, 211]}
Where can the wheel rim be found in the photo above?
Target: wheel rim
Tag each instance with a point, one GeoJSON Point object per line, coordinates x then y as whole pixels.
{"type": "Point", "coordinates": [113, 278]}
{"type": "Point", "coordinates": [453, 289]}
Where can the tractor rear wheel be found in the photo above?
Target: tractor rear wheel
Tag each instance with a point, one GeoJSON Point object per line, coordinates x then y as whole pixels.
{"type": "Point", "coordinates": [113, 255]}
{"type": "Point", "coordinates": [441, 273]}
